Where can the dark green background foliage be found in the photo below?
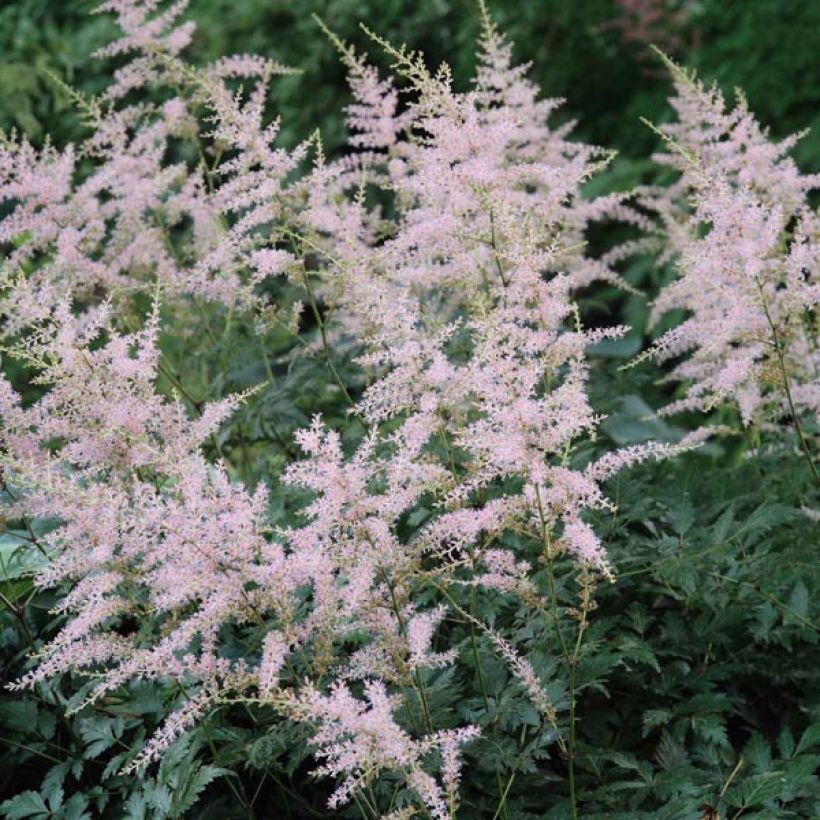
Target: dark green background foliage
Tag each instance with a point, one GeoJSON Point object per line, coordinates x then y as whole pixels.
{"type": "Point", "coordinates": [700, 673]}
{"type": "Point", "coordinates": [766, 47]}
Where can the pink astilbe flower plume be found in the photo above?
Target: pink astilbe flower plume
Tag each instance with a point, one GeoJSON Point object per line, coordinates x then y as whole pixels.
{"type": "Point", "coordinates": [358, 739]}
{"type": "Point", "coordinates": [477, 357]}
{"type": "Point", "coordinates": [738, 227]}
{"type": "Point", "coordinates": [146, 525]}
{"type": "Point", "coordinates": [132, 214]}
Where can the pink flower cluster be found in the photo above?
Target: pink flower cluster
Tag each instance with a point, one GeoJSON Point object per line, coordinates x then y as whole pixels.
{"type": "Point", "coordinates": [358, 739]}
{"type": "Point", "coordinates": [123, 211]}
{"type": "Point", "coordinates": [741, 233]}
{"type": "Point", "coordinates": [460, 308]}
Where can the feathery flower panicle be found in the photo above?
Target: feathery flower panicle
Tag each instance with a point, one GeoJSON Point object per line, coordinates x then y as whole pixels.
{"type": "Point", "coordinates": [739, 229]}
{"type": "Point", "coordinates": [132, 216]}
{"type": "Point", "coordinates": [465, 303]}
{"type": "Point", "coordinates": [149, 532]}
{"type": "Point", "coordinates": [478, 359]}
{"type": "Point", "coordinates": [459, 166]}
{"type": "Point", "coordinates": [358, 739]}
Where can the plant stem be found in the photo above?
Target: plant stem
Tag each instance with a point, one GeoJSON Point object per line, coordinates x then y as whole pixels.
{"type": "Point", "coordinates": [419, 683]}
{"type": "Point", "coordinates": [778, 348]}
{"type": "Point", "coordinates": [771, 599]}
{"type": "Point", "coordinates": [21, 617]}
{"type": "Point", "coordinates": [502, 793]}
{"type": "Point", "coordinates": [503, 803]}
{"type": "Point", "coordinates": [570, 660]}
{"type": "Point", "coordinates": [239, 794]}
{"type": "Point", "coordinates": [474, 642]}
{"type": "Point", "coordinates": [31, 750]}
{"type": "Point", "coordinates": [729, 780]}
{"type": "Point", "coordinates": [325, 346]}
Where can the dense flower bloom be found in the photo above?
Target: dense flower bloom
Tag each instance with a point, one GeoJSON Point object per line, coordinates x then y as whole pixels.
{"type": "Point", "coordinates": [740, 231]}
{"type": "Point", "coordinates": [124, 210]}
{"type": "Point", "coordinates": [357, 739]}
{"type": "Point", "coordinates": [460, 308]}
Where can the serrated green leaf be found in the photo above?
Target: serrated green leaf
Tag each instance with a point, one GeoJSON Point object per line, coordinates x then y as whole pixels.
{"type": "Point", "coordinates": [194, 786]}
{"type": "Point", "coordinates": [756, 790]}
{"type": "Point", "coordinates": [808, 740]}
{"type": "Point", "coordinates": [799, 601]}
{"type": "Point", "coordinates": [159, 797]}
{"type": "Point", "coordinates": [637, 650]}
{"type": "Point", "coordinates": [135, 807]}
{"type": "Point", "coordinates": [99, 733]}
{"type": "Point", "coordinates": [757, 753]}
{"type": "Point", "coordinates": [76, 808]}
{"type": "Point", "coordinates": [25, 805]}
{"type": "Point", "coordinates": [653, 718]}
{"type": "Point", "coordinates": [785, 742]}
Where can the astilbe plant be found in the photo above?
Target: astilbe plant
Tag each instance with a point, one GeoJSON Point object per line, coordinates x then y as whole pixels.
{"type": "Point", "coordinates": [448, 247]}
{"type": "Point", "coordinates": [742, 236]}
{"type": "Point", "coordinates": [162, 553]}
{"type": "Point", "coordinates": [141, 512]}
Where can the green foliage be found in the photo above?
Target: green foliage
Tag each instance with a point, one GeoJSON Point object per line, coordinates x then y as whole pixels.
{"type": "Point", "coordinates": [761, 48]}
{"type": "Point", "coordinates": [576, 49]}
